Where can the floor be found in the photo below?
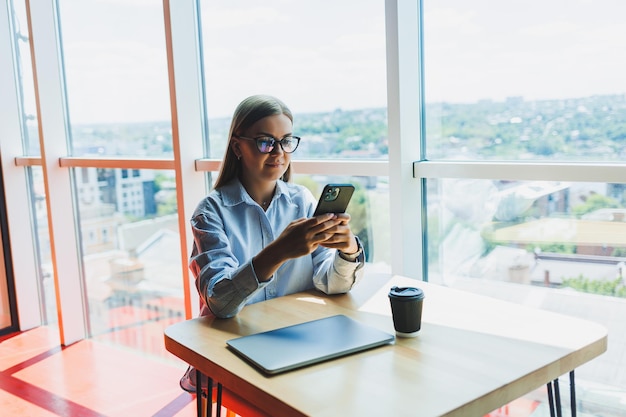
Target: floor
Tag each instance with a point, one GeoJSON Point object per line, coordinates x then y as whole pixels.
{"type": "Point", "coordinates": [121, 373]}
{"type": "Point", "coordinates": [91, 378]}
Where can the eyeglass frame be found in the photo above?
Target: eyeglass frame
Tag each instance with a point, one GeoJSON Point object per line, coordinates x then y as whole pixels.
{"type": "Point", "coordinates": [280, 142]}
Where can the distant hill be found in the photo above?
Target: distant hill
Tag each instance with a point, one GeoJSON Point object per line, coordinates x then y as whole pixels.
{"type": "Point", "coordinates": [586, 128]}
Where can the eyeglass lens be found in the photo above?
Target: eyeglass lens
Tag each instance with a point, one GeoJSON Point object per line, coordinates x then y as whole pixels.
{"type": "Point", "coordinates": [267, 144]}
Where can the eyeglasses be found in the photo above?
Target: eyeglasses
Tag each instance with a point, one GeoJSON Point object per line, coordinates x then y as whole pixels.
{"type": "Point", "coordinates": [266, 144]}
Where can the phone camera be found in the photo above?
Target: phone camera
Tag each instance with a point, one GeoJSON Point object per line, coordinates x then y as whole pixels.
{"type": "Point", "coordinates": [331, 194]}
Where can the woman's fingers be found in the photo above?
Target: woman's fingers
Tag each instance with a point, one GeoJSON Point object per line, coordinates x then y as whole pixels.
{"type": "Point", "coordinates": [303, 236]}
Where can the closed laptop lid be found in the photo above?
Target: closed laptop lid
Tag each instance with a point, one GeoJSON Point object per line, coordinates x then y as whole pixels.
{"type": "Point", "coordinates": [307, 343]}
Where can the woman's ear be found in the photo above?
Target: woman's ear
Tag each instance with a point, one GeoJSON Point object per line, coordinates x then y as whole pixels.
{"type": "Point", "coordinates": [236, 148]}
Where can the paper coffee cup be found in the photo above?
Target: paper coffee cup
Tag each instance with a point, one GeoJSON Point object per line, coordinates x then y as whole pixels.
{"type": "Point", "coordinates": [406, 310]}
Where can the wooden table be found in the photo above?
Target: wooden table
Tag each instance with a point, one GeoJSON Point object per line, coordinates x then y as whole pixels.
{"type": "Point", "coordinates": [472, 355]}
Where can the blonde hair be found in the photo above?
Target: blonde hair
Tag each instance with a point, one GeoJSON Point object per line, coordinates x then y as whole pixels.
{"type": "Point", "coordinates": [248, 112]}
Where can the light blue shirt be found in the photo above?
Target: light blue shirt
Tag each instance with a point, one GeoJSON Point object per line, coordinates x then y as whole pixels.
{"type": "Point", "coordinates": [229, 228]}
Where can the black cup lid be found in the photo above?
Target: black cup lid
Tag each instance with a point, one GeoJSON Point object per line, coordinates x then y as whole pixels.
{"type": "Point", "coordinates": [406, 293]}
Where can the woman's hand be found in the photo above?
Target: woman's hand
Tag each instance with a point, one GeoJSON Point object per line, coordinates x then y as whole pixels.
{"type": "Point", "coordinates": [303, 236]}
{"type": "Point", "coordinates": [340, 235]}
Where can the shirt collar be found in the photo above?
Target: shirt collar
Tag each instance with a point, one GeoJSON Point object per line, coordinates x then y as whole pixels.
{"type": "Point", "coordinates": [234, 193]}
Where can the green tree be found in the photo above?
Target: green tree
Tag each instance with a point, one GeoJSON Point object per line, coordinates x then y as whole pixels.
{"type": "Point", "coordinates": [595, 202]}
{"type": "Point", "coordinates": [614, 288]}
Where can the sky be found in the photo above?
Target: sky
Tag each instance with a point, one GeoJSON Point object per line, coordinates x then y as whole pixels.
{"type": "Point", "coordinates": [320, 55]}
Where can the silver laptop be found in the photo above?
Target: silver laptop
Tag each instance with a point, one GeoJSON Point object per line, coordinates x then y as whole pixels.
{"type": "Point", "coordinates": [303, 344]}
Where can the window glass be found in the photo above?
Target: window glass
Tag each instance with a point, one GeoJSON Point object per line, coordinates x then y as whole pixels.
{"type": "Point", "coordinates": [551, 231]}
{"type": "Point", "coordinates": [328, 67]}
{"type": "Point", "coordinates": [525, 80]}
{"type": "Point", "coordinates": [47, 292]}
{"type": "Point", "coordinates": [24, 72]}
{"type": "Point", "coordinates": [560, 246]}
{"type": "Point", "coordinates": [131, 255]}
{"type": "Point", "coordinates": [116, 77]}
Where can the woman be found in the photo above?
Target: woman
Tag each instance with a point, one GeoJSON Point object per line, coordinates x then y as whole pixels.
{"type": "Point", "coordinates": [254, 237]}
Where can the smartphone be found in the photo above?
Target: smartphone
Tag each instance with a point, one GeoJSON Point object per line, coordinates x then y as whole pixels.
{"type": "Point", "coordinates": [334, 198]}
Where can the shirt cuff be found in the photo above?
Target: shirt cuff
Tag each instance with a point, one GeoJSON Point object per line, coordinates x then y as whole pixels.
{"type": "Point", "coordinates": [358, 256]}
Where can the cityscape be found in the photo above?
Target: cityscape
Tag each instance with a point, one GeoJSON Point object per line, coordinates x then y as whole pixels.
{"type": "Point", "coordinates": [582, 129]}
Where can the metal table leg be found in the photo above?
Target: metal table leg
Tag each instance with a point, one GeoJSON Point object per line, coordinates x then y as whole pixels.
{"type": "Point", "coordinates": [554, 396]}
{"type": "Point", "coordinates": [572, 393]}
{"type": "Point", "coordinates": [198, 394]}
{"type": "Point", "coordinates": [219, 400]}
{"type": "Point", "coordinates": [208, 410]}
{"type": "Point", "coordinates": [551, 399]}
{"type": "Point", "coordinates": [557, 398]}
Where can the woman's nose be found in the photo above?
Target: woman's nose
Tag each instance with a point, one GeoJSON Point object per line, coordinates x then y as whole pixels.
{"type": "Point", "coordinates": [278, 148]}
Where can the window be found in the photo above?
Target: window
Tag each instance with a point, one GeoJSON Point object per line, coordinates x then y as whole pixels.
{"type": "Point", "coordinates": [116, 76]}
{"type": "Point", "coordinates": [525, 117]}
{"type": "Point", "coordinates": [30, 125]}
{"type": "Point", "coordinates": [134, 263]}
{"type": "Point", "coordinates": [547, 233]}
{"type": "Point", "coordinates": [328, 67]}
{"type": "Point", "coordinates": [531, 80]}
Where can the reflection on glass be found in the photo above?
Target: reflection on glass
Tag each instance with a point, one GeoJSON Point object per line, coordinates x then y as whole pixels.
{"type": "Point", "coordinates": [116, 76]}
{"type": "Point", "coordinates": [521, 81]}
{"type": "Point", "coordinates": [552, 234]}
{"type": "Point", "coordinates": [131, 254]}
{"type": "Point", "coordinates": [328, 67]}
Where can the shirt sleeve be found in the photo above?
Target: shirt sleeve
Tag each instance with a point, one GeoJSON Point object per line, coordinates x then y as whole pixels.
{"type": "Point", "coordinates": [335, 275]}
{"type": "Point", "coordinates": [331, 273]}
{"type": "Point", "coordinates": [222, 282]}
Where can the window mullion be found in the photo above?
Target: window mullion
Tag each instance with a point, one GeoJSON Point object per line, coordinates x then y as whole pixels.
{"type": "Point", "coordinates": [522, 171]}
{"type": "Point", "coordinates": [64, 242]}
{"type": "Point", "coordinates": [22, 242]}
{"type": "Point", "coordinates": [403, 104]}
{"type": "Point", "coordinates": [188, 121]}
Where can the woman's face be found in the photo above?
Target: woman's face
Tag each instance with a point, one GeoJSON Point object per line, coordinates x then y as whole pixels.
{"type": "Point", "coordinates": [257, 166]}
